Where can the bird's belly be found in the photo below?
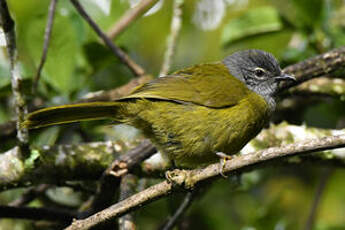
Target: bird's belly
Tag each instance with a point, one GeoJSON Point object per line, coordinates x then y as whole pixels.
{"type": "Point", "coordinates": [190, 135]}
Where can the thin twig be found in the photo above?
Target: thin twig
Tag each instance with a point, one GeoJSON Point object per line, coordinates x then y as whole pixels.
{"type": "Point", "coordinates": [20, 106]}
{"type": "Point", "coordinates": [129, 17]}
{"type": "Point", "coordinates": [175, 28]}
{"type": "Point", "coordinates": [127, 188]}
{"type": "Point", "coordinates": [190, 178]}
{"type": "Point", "coordinates": [134, 67]}
{"type": "Point", "coordinates": [317, 198]}
{"type": "Point", "coordinates": [47, 35]}
{"type": "Point", "coordinates": [180, 211]}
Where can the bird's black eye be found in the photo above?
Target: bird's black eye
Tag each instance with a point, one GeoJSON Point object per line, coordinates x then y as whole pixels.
{"type": "Point", "coordinates": [259, 72]}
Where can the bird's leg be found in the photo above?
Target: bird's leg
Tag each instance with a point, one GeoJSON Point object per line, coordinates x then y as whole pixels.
{"type": "Point", "coordinates": [223, 158]}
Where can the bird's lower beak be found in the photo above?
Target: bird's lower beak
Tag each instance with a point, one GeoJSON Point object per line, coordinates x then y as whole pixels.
{"type": "Point", "coordinates": [285, 77]}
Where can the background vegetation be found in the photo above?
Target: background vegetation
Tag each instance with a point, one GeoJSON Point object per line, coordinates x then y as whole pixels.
{"type": "Point", "coordinates": [277, 197]}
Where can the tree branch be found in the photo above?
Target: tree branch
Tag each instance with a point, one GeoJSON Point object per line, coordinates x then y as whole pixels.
{"type": "Point", "coordinates": [129, 17]}
{"type": "Point", "coordinates": [54, 164]}
{"type": "Point", "coordinates": [134, 67]}
{"type": "Point", "coordinates": [191, 178]}
{"type": "Point", "coordinates": [20, 107]}
{"type": "Point", "coordinates": [317, 66]}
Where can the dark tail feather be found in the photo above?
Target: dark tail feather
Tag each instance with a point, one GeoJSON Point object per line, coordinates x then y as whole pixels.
{"type": "Point", "coordinates": [71, 113]}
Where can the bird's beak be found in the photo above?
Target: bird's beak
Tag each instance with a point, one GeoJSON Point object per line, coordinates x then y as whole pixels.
{"type": "Point", "coordinates": [285, 77]}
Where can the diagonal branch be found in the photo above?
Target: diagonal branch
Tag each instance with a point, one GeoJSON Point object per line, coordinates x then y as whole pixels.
{"type": "Point", "coordinates": [134, 67]}
{"type": "Point", "coordinates": [191, 178]}
{"type": "Point", "coordinates": [129, 17]}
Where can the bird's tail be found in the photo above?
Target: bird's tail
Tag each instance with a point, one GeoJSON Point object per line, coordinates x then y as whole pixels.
{"type": "Point", "coordinates": [71, 113]}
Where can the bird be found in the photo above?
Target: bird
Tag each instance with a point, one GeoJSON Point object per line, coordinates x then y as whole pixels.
{"type": "Point", "coordinates": [192, 115]}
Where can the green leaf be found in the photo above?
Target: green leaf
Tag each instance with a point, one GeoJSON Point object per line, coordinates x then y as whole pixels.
{"type": "Point", "coordinates": [253, 22]}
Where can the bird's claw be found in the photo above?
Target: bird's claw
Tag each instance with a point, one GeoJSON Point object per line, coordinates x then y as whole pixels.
{"type": "Point", "coordinates": [223, 158]}
{"type": "Point", "coordinates": [180, 177]}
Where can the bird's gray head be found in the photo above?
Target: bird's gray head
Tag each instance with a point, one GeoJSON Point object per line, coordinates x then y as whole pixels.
{"type": "Point", "coordinates": [259, 70]}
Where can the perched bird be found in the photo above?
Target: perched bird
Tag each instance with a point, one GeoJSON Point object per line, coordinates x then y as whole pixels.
{"type": "Point", "coordinates": [192, 114]}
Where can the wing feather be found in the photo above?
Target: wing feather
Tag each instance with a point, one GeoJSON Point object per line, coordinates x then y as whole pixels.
{"type": "Point", "coordinates": [209, 85]}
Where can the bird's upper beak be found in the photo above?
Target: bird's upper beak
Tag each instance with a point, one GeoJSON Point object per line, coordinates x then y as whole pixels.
{"type": "Point", "coordinates": [285, 77]}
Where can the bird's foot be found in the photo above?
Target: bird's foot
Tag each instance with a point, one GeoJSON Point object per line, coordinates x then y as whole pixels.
{"type": "Point", "coordinates": [180, 177]}
{"type": "Point", "coordinates": [223, 158]}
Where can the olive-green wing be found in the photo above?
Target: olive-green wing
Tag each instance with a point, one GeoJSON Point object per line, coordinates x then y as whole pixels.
{"type": "Point", "coordinates": [208, 85]}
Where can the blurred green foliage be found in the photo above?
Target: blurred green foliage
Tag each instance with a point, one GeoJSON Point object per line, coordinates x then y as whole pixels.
{"type": "Point", "coordinates": [273, 198]}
